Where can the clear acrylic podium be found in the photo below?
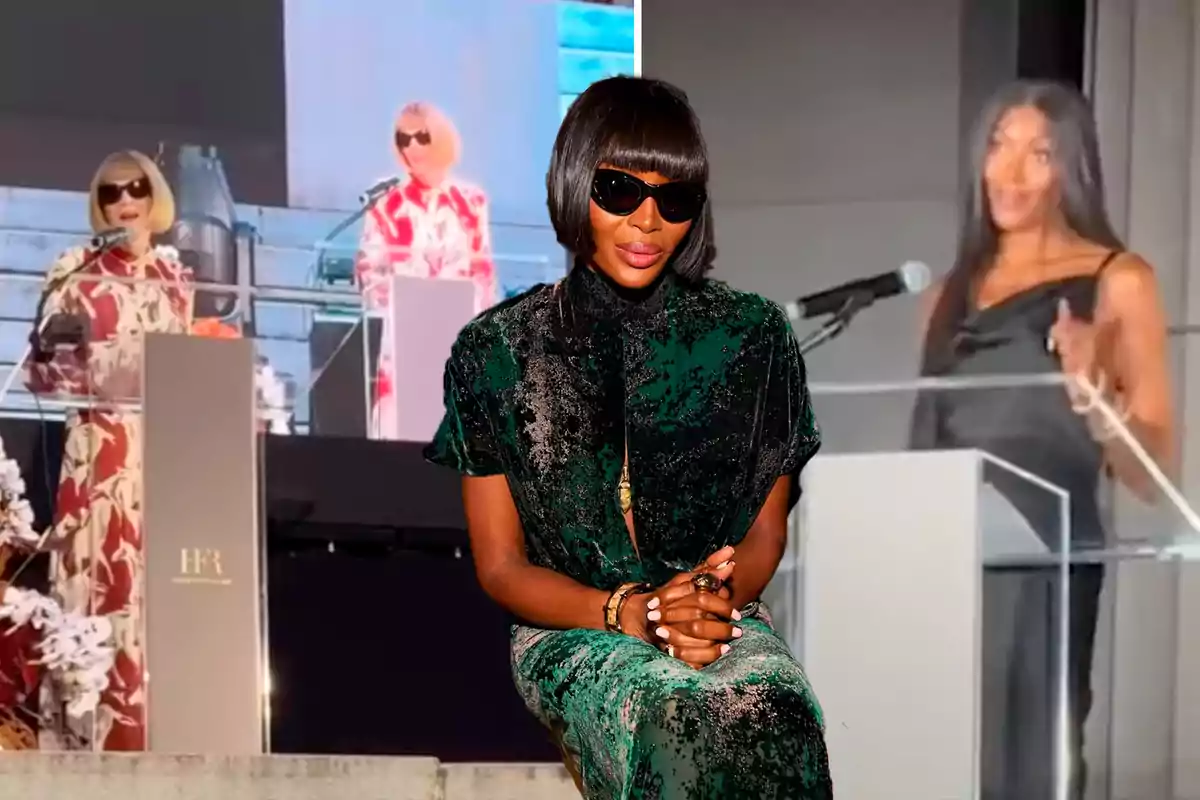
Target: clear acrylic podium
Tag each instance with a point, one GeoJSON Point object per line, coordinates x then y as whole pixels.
{"type": "Point", "coordinates": [893, 594]}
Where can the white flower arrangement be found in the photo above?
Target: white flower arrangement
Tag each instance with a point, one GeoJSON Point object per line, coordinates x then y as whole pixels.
{"type": "Point", "coordinates": [76, 650]}
{"type": "Point", "coordinates": [272, 400]}
{"type": "Point", "coordinates": [16, 515]}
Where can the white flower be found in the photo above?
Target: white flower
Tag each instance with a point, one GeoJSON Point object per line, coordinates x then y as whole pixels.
{"type": "Point", "coordinates": [272, 400]}
{"type": "Point", "coordinates": [16, 515]}
{"type": "Point", "coordinates": [76, 650]}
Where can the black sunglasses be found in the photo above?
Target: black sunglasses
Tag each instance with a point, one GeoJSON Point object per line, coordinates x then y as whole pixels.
{"type": "Point", "coordinates": [621, 193]}
{"type": "Point", "coordinates": [403, 139]}
{"type": "Point", "coordinates": [109, 193]}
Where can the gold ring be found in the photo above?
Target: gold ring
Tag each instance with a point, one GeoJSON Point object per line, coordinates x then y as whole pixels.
{"type": "Point", "coordinates": [706, 582]}
{"type": "Point", "coordinates": [671, 650]}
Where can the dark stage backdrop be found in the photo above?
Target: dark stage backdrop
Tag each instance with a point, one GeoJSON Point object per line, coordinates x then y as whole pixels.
{"type": "Point", "coordinates": [79, 80]}
{"type": "Point", "coordinates": [387, 655]}
{"type": "Point", "coordinates": [1051, 40]}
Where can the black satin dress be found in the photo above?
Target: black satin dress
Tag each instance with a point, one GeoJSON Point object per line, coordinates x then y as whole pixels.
{"type": "Point", "coordinates": [1035, 429]}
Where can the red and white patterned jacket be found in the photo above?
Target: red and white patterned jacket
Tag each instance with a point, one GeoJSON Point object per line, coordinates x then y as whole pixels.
{"type": "Point", "coordinates": [429, 232]}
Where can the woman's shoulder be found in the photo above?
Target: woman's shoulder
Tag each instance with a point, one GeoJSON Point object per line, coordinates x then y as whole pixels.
{"type": "Point", "coordinates": [1125, 270]}
{"type": "Point", "coordinates": [721, 305]}
{"type": "Point", "coordinates": [469, 192]}
{"type": "Point", "coordinates": [68, 260]}
{"type": "Point", "coordinates": [497, 327]}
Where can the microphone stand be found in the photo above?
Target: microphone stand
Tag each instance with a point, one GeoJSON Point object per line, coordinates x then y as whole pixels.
{"type": "Point", "coordinates": [838, 323]}
{"type": "Point", "coordinates": [365, 202]}
{"type": "Point", "coordinates": [35, 348]}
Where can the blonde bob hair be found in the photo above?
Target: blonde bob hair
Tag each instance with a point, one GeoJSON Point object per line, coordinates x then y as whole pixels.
{"type": "Point", "coordinates": [162, 200]}
{"type": "Point", "coordinates": [445, 144]}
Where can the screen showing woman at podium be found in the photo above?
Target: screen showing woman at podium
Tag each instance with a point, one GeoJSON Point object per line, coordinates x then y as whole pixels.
{"type": "Point", "coordinates": [1042, 284]}
{"type": "Point", "coordinates": [98, 302]}
{"type": "Point", "coordinates": [429, 225]}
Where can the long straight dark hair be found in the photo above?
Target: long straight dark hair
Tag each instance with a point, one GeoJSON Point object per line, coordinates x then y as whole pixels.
{"type": "Point", "coordinates": [1076, 157]}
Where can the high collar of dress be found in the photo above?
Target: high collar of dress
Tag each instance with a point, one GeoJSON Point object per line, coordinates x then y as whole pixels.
{"type": "Point", "coordinates": [594, 296]}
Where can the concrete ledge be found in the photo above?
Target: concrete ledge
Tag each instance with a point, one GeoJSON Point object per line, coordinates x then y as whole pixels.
{"type": "Point", "coordinates": [114, 776]}
{"type": "Point", "coordinates": [507, 782]}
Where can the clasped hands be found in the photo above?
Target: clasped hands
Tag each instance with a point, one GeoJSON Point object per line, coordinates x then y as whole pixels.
{"type": "Point", "coordinates": [693, 626]}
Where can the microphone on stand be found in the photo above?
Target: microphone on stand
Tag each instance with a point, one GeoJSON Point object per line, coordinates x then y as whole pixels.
{"type": "Point", "coordinates": [365, 201]}
{"type": "Point", "coordinates": [844, 301]}
{"type": "Point", "coordinates": [110, 238]}
{"type": "Point", "coordinates": [377, 191]}
{"type": "Point", "coordinates": [913, 277]}
{"type": "Point", "coordinates": [60, 329]}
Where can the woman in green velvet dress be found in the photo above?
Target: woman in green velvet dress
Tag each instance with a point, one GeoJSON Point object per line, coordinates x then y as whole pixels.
{"type": "Point", "coordinates": [631, 440]}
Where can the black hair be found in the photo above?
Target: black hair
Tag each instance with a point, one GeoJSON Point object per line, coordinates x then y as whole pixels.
{"type": "Point", "coordinates": [636, 124]}
{"type": "Point", "coordinates": [1076, 157]}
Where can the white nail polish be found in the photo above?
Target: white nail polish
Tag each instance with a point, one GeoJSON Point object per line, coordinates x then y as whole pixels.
{"type": "Point", "coordinates": [725, 649]}
{"type": "Point", "coordinates": [654, 616]}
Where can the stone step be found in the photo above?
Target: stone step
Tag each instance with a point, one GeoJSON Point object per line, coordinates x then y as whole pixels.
{"type": "Point", "coordinates": [144, 776]}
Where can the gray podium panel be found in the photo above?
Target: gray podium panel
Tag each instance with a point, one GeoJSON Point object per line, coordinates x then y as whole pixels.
{"type": "Point", "coordinates": [891, 614]}
{"type": "Point", "coordinates": [425, 316]}
{"type": "Point", "coordinates": [204, 632]}
{"type": "Point", "coordinates": [891, 606]}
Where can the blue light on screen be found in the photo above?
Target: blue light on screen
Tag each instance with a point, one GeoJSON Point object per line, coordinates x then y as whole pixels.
{"type": "Point", "coordinates": [594, 42]}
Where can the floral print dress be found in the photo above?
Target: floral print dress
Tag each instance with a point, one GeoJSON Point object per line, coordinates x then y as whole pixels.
{"type": "Point", "coordinates": [97, 564]}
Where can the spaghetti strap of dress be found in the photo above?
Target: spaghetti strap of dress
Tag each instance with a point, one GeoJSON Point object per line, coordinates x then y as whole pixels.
{"type": "Point", "coordinates": [1108, 259]}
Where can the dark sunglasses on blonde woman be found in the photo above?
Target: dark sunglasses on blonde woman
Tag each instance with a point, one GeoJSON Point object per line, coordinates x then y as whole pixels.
{"type": "Point", "coordinates": [403, 139]}
{"type": "Point", "coordinates": [109, 193]}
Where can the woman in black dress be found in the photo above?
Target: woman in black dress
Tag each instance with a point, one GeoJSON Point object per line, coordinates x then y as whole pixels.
{"type": "Point", "coordinates": [1041, 284]}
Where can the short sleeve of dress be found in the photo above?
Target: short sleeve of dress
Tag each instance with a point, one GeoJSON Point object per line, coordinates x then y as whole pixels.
{"type": "Point", "coordinates": [465, 440]}
{"type": "Point", "coordinates": [789, 406]}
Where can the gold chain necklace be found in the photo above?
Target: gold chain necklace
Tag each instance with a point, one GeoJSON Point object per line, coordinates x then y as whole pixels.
{"type": "Point", "coordinates": [625, 488]}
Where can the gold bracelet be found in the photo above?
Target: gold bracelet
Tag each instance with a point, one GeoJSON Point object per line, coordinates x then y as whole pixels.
{"type": "Point", "coordinates": [612, 608]}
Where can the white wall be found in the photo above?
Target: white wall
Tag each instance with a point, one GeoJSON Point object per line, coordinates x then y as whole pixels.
{"type": "Point", "coordinates": [833, 146]}
{"type": "Point", "coordinates": [1145, 94]}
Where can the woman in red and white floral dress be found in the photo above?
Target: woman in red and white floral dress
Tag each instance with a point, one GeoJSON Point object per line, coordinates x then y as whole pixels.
{"type": "Point", "coordinates": [97, 567]}
{"type": "Point", "coordinates": [429, 226]}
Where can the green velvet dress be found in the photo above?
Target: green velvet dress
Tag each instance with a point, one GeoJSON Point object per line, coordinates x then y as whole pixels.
{"type": "Point", "coordinates": [705, 387]}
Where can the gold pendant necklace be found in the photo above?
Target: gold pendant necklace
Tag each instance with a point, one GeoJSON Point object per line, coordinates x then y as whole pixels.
{"type": "Point", "coordinates": [625, 489]}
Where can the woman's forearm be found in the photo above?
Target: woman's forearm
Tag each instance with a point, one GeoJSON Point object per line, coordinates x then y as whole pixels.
{"type": "Point", "coordinates": [755, 561]}
{"type": "Point", "coordinates": [1129, 469]}
{"type": "Point", "coordinates": [545, 598]}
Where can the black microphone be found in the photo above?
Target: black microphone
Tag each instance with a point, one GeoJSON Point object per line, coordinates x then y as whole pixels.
{"type": "Point", "coordinates": [67, 329]}
{"type": "Point", "coordinates": [912, 277]}
{"type": "Point", "coordinates": [110, 238]}
{"type": "Point", "coordinates": [377, 191]}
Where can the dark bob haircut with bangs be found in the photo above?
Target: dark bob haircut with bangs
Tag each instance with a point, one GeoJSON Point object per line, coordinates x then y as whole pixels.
{"type": "Point", "coordinates": [639, 125]}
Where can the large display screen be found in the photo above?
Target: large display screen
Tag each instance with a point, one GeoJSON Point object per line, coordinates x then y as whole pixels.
{"type": "Point", "coordinates": [290, 109]}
